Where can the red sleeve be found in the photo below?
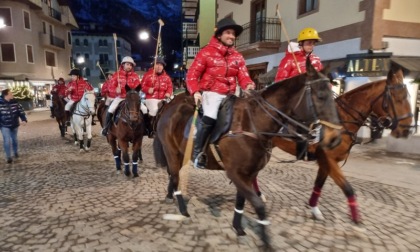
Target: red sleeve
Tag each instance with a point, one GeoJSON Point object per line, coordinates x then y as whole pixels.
{"type": "Point", "coordinates": [243, 75]}
{"type": "Point", "coordinates": [285, 67]}
{"type": "Point", "coordinates": [196, 70]}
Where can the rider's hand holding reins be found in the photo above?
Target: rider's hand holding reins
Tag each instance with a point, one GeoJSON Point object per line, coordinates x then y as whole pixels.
{"type": "Point", "coordinates": [247, 90]}
{"type": "Point", "coordinates": [150, 91]}
{"type": "Point", "coordinates": [197, 98]}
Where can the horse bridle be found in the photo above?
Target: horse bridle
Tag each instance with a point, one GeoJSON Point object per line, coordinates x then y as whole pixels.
{"type": "Point", "coordinates": [391, 121]}
{"type": "Point", "coordinates": [85, 109]}
{"type": "Point", "coordinates": [125, 114]}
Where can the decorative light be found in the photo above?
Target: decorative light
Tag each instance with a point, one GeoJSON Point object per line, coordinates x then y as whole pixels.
{"type": "Point", "coordinates": [144, 35]}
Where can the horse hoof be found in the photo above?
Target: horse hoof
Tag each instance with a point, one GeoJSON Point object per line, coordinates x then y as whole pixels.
{"type": "Point", "coordinates": [169, 200]}
{"type": "Point", "coordinates": [263, 198]}
{"type": "Point", "coordinates": [87, 149]}
{"type": "Point", "coordinates": [239, 231]}
{"type": "Point", "coordinates": [136, 175]}
{"type": "Point", "coordinates": [81, 150]}
{"type": "Point", "coordinates": [316, 214]}
{"type": "Point", "coordinates": [127, 174]}
{"type": "Point", "coordinates": [186, 214]}
{"type": "Point", "coordinates": [76, 143]}
{"type": "Point", "coordinates": [118, 172]}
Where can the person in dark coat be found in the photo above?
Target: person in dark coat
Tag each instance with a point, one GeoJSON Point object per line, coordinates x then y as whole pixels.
{"type": "Point", "coordinates": [10, 112]}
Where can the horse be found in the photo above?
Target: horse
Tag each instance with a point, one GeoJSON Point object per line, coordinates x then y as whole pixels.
{"type": "Point", "coordinates": [129, 128]}
{"type": "Point", "coordinates": [243, 149]}
{"type": "Point", "coordinates": [59, 113]}
{"type": "Point", "coordinates": [387, 99]}
{"type": "Point", "coordinates": [81, 119]}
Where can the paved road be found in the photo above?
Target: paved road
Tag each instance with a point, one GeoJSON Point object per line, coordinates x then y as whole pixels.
{"type": "Point", "coordinates": [55, 199]}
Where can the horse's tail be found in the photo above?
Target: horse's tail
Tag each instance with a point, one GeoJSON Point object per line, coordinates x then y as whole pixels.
{"type": "Point", "coordinates": [160, 157]}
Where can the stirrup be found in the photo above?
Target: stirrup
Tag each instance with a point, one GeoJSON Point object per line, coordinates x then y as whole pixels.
{"type": "Point", "coordinates": [104, 132]}
{"type": "Point", "coordinates": [200, 161]}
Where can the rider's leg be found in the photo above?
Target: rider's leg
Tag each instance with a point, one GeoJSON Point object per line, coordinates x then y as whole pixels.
{"type": "Point", "coordinates": [112, 107]}
{"type": "Point", "coordinates": [203, 132]}
{"type": "Point", "coordinates": [67, 110]}
{"type": "Point", "coordinates": [152, 106]}
{"type": "Point", "coordinates": [52, 111]}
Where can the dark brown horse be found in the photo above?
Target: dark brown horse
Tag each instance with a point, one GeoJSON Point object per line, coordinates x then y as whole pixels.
{"type": "Point", "coordinates": [243, 151]}
{"type": "Point", "coordinates": [128, 129]}
{"type": "Point", "coordinates": [387, 99]}
{"type": "Point", "coordinates": [59, 114]}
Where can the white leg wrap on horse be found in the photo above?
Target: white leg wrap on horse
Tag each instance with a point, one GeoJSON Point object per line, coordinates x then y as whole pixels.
{"type": "Point", "coordinates": [263, 222]}
{"type": "Point", "coordinates": [126, 163]}
{"type": "Point", "coordinates": [134, 163]}
{"type": "Point", "coordinates": [239, 211]}
{"type": "Point", "coordinates": [317, 213]}
{"type": "Point", "coordinates": [116, 156]}
{"type": "Point", "coordinates": [177, 193]}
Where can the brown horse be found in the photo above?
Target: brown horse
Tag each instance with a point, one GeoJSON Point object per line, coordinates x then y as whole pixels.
{"type": "Point", "coordinates": [387, 99]}
{"type": "Point", "coordinates": [59, 114]}
{"type": "Point", "coordinates": [243, 150]}
{"type": "Point", "coordinates": [129, 128]}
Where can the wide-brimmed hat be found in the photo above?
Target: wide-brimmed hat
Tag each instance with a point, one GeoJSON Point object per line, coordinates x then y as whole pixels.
{"type": "Point", "coordinates": [75, 71]}
{"type": "Point", "coordinates": [161, 60]}
{"type": "Point", "coordinates": [128, 59]}
{"type": "Point", "coordinates": [228, 23]}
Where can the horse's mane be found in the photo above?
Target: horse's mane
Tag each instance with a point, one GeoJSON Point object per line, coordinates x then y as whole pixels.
{"type": "Point", "coordinates": [293, 81]}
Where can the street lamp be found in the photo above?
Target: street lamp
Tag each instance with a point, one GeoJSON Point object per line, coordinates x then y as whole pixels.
{"type": "Point", "coordinates": [144, 35]}
{"type": "Point", "coordinates": [80, 62]}
{"type": "Point", "coordinates": [2, 24]}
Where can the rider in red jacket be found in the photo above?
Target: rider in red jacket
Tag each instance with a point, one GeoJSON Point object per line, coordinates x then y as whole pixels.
{"type": "Point", "coordinates": [124, 76]}
{"type": "Point", "coordinates": [215, 71]}
{"type": "Point", "coordinates": [60, 90]}
{"type": "Point", "coordinates": [157, 85]}
{"type": "Point", "coordinates": [75, 88]}
{"type": "Point", "coordinates": [307, 39]}
{"type": "Point", "coordinates": [108, 91]}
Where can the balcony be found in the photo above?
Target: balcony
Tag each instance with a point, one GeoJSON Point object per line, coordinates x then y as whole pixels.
{"type": "Point", "coordinates": [51, 13]}
{"type": "Point", "coordinates": [189, 30]}
{"type": "Point", "coordinates": [52, 42]}
{"type": "Point", "coordinates": [190, 52]}
{"type": "Point", "coordinates": [259, 38]}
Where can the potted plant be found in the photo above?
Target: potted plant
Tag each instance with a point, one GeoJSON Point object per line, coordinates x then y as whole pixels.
{"type": "Point", "coordinates": [24, 96]}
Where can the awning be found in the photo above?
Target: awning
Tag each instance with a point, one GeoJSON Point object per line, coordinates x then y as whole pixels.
{"type": "Point", "coordinates": [411, 64]}
{"type": "Point", "coordinates": [268, 77]}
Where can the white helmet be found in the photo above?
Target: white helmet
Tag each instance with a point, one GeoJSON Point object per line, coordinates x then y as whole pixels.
{"type": "Point", "coordinates": [128, 59]}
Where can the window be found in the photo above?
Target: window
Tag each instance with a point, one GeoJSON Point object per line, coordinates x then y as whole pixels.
{"type": "Point", "coordinates": [44, 27]}
{"type": "Point", "coordinates": [86, 55]}
{"type": "Point", "coordinates": [6, 15]}
{"type": "Point", "coordinates": [85, 42]}
{"type": "Point", "coordinates": [105, 42]}
{"type": "Point", "coordinates": [103, 58]}
{"type": "Point", "coordinates": [77, 42]}
{"type": "Point", "coordinates": [118, 43]}
{"type": "Point", "coordinates": [29, 54]}
{"type": "Point", "coordinates": [50, 59]}
{"type": "Point", "coordinates": [119, 58]}
{"type": "Point", "coordinates": [8, 52]}
{"type": "Point", "coordinates": [100, 43]}
{"type": "Point", "coordinates": [306, 6]}
{"type": "Point", "coordinates": [87, 71]}
{"type": "Point", "coordinates": [258, 14]}
{"type": "Point", "coordinates": [26, 20]}
{"type": "Point", "coordinates": [69, 38]}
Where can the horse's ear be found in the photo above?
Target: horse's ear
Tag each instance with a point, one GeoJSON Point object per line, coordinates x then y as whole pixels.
{"type": "Point", "coordinates": [310, 70]}
{"type": "Point", "coordinates": [127, 88]}
{"type": "Point", "coordinates": [138, 88]}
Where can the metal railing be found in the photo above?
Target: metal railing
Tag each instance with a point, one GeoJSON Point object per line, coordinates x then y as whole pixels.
{"type": "Point", "coordinates": [54, 13]}
{"type": "Point", "coordinates": [261, 30]}
{"type": "Point", "coordinates": [57, 42]}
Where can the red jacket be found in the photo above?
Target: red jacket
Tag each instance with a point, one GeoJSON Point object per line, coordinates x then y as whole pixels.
{"type": "Point", "coordinates": [161, 83]}
{"type": "Point", "coordinates": [59, 89]}
{"type": "Point", "coordinates": [108, 90]}
{"type": "Point", "coordinates": [77, 88]}
{"type": "Point", "coordinates": [287, 66]}
{"type": "Point", "coordinates": [217, 68]}
{"type": "Point", "coordinates": [126, 78]}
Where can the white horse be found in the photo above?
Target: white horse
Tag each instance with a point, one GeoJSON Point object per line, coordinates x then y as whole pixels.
{"type": "Point", "coordinates": [81, 120]}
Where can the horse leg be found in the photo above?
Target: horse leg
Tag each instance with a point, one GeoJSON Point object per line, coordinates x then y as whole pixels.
{"type": "Point", "coordinates": [135, 157]}
{"type": "Point", "coordinates": [237, 216]}
{"type": "Point", "coordinates": [169, 196]}
{"type": "Point", "coordinates": [258, 191]}
{"type": "Point", "coordinates": [89, 137]}
{"type": "Point", "coordinates": [337, 175]}
{"type": "Point", "coordinates": [174, 178]}
{"type": "Point", "coordinates": [75, 138]}
{"type": "Point", "coordinates": [140, 156]}
{"type": "Point", "coordinates": [316, 193]}
{"type": "Point", "coordinates": [244, 187]}
{"type": "Point", "coordinates": [126, 158]}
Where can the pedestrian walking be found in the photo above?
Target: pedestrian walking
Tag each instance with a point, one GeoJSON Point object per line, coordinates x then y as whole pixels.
{"type": "Point", "coordinates": [10, 112]}
{"type": "Point", "coordinates": [212, 76]}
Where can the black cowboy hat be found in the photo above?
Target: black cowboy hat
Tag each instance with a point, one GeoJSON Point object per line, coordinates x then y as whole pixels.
{"type": "Point", "coordinates": [161, 61]}
{"type": "Point", "coordinates": [75, 71]}
{"type": "Point", "coordinates": [228, 23]}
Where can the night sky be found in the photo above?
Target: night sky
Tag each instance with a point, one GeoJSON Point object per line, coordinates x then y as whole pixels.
{"type": "Point", "coordinates": [130, 17]}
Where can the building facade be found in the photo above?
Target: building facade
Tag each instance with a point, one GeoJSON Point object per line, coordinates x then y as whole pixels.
{"type": "Point", "coordinates": [95, 51]}
{"type": "Point", "coordinates": [35, 44]}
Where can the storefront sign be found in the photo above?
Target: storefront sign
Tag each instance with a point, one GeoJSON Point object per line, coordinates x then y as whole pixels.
{"type": "Point", "coordinates": [368, 65]}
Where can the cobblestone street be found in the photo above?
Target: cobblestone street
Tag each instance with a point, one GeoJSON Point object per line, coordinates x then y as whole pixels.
{"type": "Point", "coordinates": [77, 202]}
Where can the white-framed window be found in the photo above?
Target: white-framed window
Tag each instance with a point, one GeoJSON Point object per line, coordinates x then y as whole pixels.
{"type": "Point", "coordinates": [50, 59]}
{"type": "Point", "coordinates": [8, 53]}
{"type": "Point", "coordinates": [69, 38]}
{"type": "Point", "coordinates": [308, 6]}
{"type": "Point", "coordinates": [30, 54]}
{"type": "Point", "coordinates": [6, 15]}
{"type": "Point", "coordinates": [26, 20]}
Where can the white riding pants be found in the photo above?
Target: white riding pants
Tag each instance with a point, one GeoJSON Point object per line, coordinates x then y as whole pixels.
{"type": "Point", "coordinates": [211, 103]}
{"type": "Point", "coordinates": [68, 105]}
{"type": "Point", "coordinates": [108, 101]}
{"type": "Point", "coordinates": [114, 104]}
{"type": "Point", "coordinates": [152, 106]}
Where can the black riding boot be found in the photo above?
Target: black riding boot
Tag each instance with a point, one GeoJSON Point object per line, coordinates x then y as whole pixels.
{"type": "Point", "coordinates": [203, 132]}
{"type": "Point", "coordinates": [107, 124]}
{"type": "Point", "coordinates": [52, 112]}
{"type": "Point", "coordinates": [93, 120]}
{"type": "Point", "coordinates": [151, 132]}
{"type": "Point", "coordinates": [67, 118]}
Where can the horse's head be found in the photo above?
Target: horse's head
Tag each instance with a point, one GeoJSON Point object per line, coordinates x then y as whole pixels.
{"type": "Point", "coordinates": [132, 103]}
{"type": "Point", "coordinates": [393, 107]}
{"type": "Point", "coordinates": [315, 106]}
{"type": "Point", "coordinates": [88, 100]}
